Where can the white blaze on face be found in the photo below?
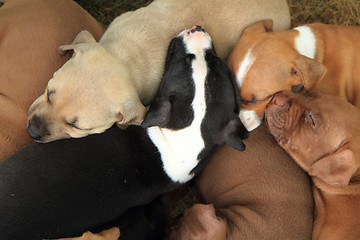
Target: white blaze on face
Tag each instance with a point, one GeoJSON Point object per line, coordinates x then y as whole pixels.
{"type": "Point", "coordinates": [250, 119]}
{"type": "Point", "coordinates": [305, 42]}
{"type": "Point", "coordinates": [244, 67]}
{"type": "Point", "coordinates": [180, 149]}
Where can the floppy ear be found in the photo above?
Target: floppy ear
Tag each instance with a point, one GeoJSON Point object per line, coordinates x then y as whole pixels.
{"type": "Point", "coordinates": [307, 71]}
{"type": "Point", "coordinates": [170, 52]}
{"type": "Point", "coordinates": [83, 37]}
{"type": "Point", "coordinates": [158, 114]}
{"type": "Point", "coordinates": [260, 26]}
{"type": "Point", "coordinates": [233, 133]}
{"type": "Point", "coordinates": [335, 169]}
{"type": "Point", "coordinates": [132, 113]}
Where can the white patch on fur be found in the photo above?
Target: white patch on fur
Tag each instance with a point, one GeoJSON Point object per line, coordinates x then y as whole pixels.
{"type": "Point", "coordinates": [305, 42]}
{"type": "Point", "coordinates": [244, 68]}
{"type": "Point", "coordinates": [250, 119]}
{"type": "Point", "coordinates": [180, 149]}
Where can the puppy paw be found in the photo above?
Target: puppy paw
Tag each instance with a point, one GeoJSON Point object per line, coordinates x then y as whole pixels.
{"type": "Point", "coordinates": [110, 234]}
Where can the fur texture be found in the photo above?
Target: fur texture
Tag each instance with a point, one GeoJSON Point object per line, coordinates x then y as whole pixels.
{"type": "Point", "coordinates": [321, 133]}
{"type": "Point", "coordinates": [317, 56]}
{"type": "Point", "coordinates": [67, 187]}
{"type": "Point", "coordinates": [121, 73]}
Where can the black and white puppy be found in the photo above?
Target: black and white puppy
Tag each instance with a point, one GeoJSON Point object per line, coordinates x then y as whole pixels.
{"type": "Point", "coordinates": [64, 188]}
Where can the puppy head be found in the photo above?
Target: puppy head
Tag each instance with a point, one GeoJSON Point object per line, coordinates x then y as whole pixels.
{"type": "Point", "coordinates": [263, 64]}
{"type": "Point", "coordinates": [87, 95]}
{"type": "Point", "coordinates": [197, 90]}
{"type": "Point", "coordinates": [320, 132]}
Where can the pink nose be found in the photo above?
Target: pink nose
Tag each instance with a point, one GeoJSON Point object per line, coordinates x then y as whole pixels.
{"type": "Point", "coordinates": [196, 29]}
{"type": "Point", "coordinates": [279, 99]}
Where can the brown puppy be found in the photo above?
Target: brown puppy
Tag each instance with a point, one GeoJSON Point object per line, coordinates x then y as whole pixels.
{"type": "Point", "coordinates": [257, 194]}
{"type": "Point", "coordinates": [267, 62]}
{"type": "Point", "coordinates": [30, 33]}
{"type": "Point", "coordinates": [322, 134]}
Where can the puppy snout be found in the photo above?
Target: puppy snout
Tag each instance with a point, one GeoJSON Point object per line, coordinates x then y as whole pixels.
{"type": "Point", "coordinates": [196, 29]}
{"type": "Point", "coordinates": [36, 129]}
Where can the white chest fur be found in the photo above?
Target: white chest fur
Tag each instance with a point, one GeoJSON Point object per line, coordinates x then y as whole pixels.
{"type": "Point", "coordinates": [305, 42]}
{"type": "Point", "coordinates": [179, 149]}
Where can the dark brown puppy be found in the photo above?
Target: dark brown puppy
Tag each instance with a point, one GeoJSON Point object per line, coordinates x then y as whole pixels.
{"type": "Point", "coordinates": [30, 34]}
{"type": "Point", "coordinates": [322, 134]}
{"type": "Point", "coordinates": [257, 194]}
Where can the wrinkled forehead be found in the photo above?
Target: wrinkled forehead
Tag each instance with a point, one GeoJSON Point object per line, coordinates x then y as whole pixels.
{"type": "Point", "coordinates": [195, 42]}
{"type": "Point", "coordinates": [334, 112]}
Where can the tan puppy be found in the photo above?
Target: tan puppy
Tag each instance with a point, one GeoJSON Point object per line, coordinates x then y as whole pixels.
{"type": "Point", "coordinates": [110, 234]}
{"type": "Point", "coordinates": [322, 134]}
{"type": "Point", "coordinates": [257, 194]}
{"type": "Point", "coordinates": [111, 81]}
{"type": "Point", "coordinates": [266, 62]}
{"type": "Point", "coordinates": [30, 34]}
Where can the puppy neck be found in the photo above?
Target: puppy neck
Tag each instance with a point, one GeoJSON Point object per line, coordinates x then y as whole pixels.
{"type": "Point", "coordinates": [180, 149]}
{"type": "Point", "coordinates": [352, 189]}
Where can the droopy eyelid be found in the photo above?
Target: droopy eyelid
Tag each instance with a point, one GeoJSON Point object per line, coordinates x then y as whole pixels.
{"type": "Point", "coordinates": [253, 100]}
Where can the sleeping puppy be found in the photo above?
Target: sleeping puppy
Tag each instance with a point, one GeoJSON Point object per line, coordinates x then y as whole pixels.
{"type": "Point", "coordinates": [321, 133]}
{"type": "Point", "coordinates": [111, 80]}
{"type": "Point", "coordinates": [30, 34]}
{"type": "Point", "coordinates": [320, 57]}
{"type": "Point", "coordinates": [64, 188]}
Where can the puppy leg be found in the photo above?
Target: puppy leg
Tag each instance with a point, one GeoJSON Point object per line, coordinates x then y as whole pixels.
{"type": "Point", "coordinates": [110, 234]}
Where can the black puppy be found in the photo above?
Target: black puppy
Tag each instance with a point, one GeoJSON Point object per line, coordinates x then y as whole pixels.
{"type": "Point", "coordinates": [64, 188]}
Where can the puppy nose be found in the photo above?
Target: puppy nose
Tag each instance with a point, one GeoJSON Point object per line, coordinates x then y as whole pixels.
{"type": "Point", "coordinates": [196, 29]}
{"type": "Point", "coordinates": [279, 99]}
{"type": "Point", "coordinates": [33, 132]}
{"type": "Point", "coordinates": [33, 127]}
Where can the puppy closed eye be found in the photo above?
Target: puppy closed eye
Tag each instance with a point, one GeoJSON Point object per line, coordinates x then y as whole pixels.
{"type": "Point", "coordinates": [312, 119]}
{"type": "Point", "coordinates": [73, 124]}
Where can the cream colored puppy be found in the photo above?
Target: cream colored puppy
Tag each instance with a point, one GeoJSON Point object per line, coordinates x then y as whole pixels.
{"type": "Point", "coordinates": [111, 81]}
{"type": "Point", "coordinates": [30, 32]}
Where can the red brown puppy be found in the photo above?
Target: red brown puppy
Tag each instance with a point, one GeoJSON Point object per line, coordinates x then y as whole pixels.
{"type": "Point", "coordinates": [322, 134]}
{"type": "Point", "coordinates": [256, 194]}
{"type": "Point", "coordinates": [266, 62]}
{"type": "Point", "coordinates": [30, 33]}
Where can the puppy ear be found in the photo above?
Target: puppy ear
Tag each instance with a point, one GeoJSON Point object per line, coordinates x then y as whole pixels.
{"type": "Point", "coordinates": [158, 114]}
{"type": "Point", "coordinates": [260, 26]}
{"type": "Point", "coordinates": [233, 133]}
{"type": "Point", "coordinates": [83, 37]}
{"type": "Point", "coordinates": [307, 71]}
{"type": "Point", "coordinates": [132, 113]}
{"type": "Point", "coordinates": [335, 169]}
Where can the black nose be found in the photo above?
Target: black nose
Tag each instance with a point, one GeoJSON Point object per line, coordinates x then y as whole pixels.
{"type": "Point", "coordinates": [35, 128]}
{"type": "Point", "coordinates": [197, 29]}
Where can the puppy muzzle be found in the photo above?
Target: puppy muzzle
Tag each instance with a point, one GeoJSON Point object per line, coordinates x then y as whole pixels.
{"type": "Point", "coordinates": [37, 129]}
